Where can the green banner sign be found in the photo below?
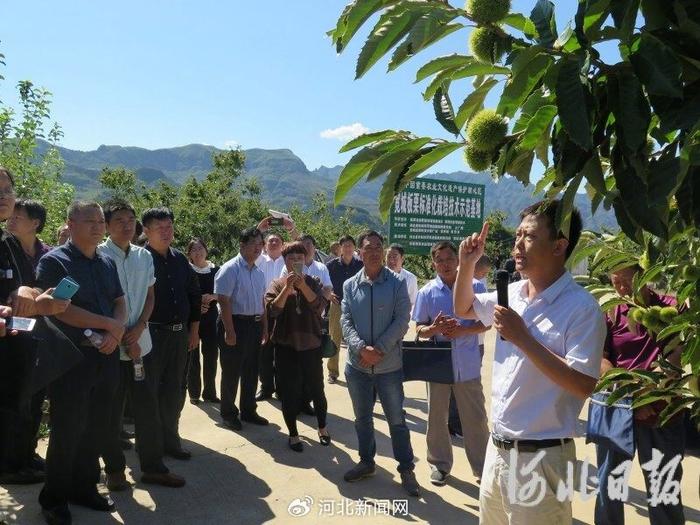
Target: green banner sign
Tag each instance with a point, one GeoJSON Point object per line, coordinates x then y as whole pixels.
{"type": "Point", "coordinates": [430, 210]}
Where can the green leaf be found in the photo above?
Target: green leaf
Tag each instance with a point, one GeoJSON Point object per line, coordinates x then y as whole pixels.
{"type": "Point", "coordinates": [673, 408]}
{"type": "Point", "coordinates": [593, 172]}
{"type": "Point", "coordinates": [571, 102]}
{"type": "Point", "coordinates": [631, 109]}
{"type": "Point", "coordinates": [429, 158]}
{"type": "Point", "coordinates": [594, 16]}
{"type": "Point", "coordinates": [543, 17]}
{"type": "Point", "coordinates": [430, 28]}
{"type": "Point", "coordinates": [474, 102]}
{"type": "Point", "coordinates": [368, 138]}
{"type": "Point", "coordinates": [521, 165]}
{"type": "Point", "coordinates": [396, 155]}
{"type": "Point", "coordinates": [538, 126]}
{"type": "Point", "coordinates": [542, 147]}
{"type": "Point", "coordinates": [566, 206]}
{"type": "Point", "coordinates": [389, 30]}
{"type": "Point", "coordinates": [521, 23]}
{"type": "Point", "coordinates": [656, 66]}
{"type": "Point", "coordinates": [358, 166]}
{"type": "Point", "coordinates": [527, 72]}
{"type": "Point", "coordinates": [672, 329]}
{"type": "Point", "coordinates": [353, 17]}
{"type": "Point", "coordinates": [444, 113]}
{"type": "Point", "coordinates": [546, 180]}
{"type": "Point", "coordinates": [476, 68]}
{"type": "Point", "coordinates": [442, 63]}
{"type": "Point", "coordinates": [624, 13]}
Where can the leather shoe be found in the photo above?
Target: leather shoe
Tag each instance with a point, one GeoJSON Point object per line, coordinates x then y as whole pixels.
{"type": "Point", "coordinates": [211, 399]}
{"type": "Point", "coordinates": [127, 434]}
{"type": "Point", "coordinates": [262, 395]}
{"type": "Point", "coordinates": [233, 423]}
{"type": "Point", "coordinates": [296, 447]}
{"type": "Point", "coordinates": [166, 479]}
{"type": "Point", "coordinates": [57, 515]}
{"type": "Point", "coordinates": [180, 453]}
{"type": "Point", "coordinates": [126, 444]}
{"type": "Point", "coordinates": [255, 419]}
{"type": "Point", "coordinates": [25, 476]}
{"type": "Point", "coordinates": [116, 481]}
{"type": "Point", "coordinates": [37, 463]}
{"type": "Point", "coordinates": [195, 401]}
{"type": "Point", "coordinates": [93, 501]}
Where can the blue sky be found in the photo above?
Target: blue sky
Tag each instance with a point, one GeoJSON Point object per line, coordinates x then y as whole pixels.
{"type": "Point", "coordinates": [259, 74]}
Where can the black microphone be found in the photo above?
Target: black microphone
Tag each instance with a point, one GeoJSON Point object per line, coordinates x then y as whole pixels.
{"type": "Point", "coordinates": [502, 279]}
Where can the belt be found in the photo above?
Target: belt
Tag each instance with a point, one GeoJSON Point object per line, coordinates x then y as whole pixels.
{"type": "Point", "coordinates": [527, 445]}
{"type": "Point", "coordinates": [253, 318]}
{"type": "Point", "coordinates": [171, 327]}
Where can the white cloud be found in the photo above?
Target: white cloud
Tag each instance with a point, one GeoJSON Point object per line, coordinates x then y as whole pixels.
{"type": "Point", "coordinates": [231, 144]}
{"type": "Point", "coordinates": [345, 133]}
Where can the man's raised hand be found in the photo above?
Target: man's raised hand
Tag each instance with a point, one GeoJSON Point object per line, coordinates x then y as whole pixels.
{"type": "Point", "coordinates": [472, 248]}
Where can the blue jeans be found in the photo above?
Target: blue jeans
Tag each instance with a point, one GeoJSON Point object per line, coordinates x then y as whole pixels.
{"type": "Point", "coordinates": [389, 388]}
{"type": "Point", "coordinates": [670, 440]}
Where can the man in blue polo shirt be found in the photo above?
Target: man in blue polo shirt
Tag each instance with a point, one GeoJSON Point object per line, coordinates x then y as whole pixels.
{"type": "Point", "coordinates": [81, 398]}
{"type": "Point", "coordinates": [433, 314]}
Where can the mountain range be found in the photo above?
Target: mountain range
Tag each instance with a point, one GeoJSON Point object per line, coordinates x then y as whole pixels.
{"type": "Point", "coordinates": [285, 179]}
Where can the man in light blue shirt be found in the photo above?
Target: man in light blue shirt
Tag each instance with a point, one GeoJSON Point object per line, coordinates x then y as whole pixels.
{"type": "Point", "coordinates": [136, 275]}
{"type": "Point", "coordinates": [240, 286]}
{"type": "Point", "coordinates": [433, 314]}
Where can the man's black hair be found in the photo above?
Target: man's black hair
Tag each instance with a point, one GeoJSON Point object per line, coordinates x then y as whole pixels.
{"type": "Point", "coordinates": [114, 205]}
{"type": "Point", "coordinates": [548, 209]}
{"type": "Point", "coordinates": [156, 214]}
{"type": "Point", "coordinates": [249, 234]}
{"type": "Point", "coordinates": [369, 233]}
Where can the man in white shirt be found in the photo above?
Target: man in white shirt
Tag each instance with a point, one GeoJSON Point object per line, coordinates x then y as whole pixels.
{"type": "Point", "coordinates": [544, 368]}
{"type": "Point", "coordinates": [271, 263]}
{"type": "Point", "coordinates": [395, 255]}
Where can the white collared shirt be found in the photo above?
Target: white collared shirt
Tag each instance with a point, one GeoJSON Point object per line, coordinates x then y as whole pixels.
{"type": "Point", "coordinates": [315, 269]}
{"type": "Point", "coordinates": [270, 267]}
{"type": "Point", "coordinates": [136, 275]}
{"type": "Point", "coordinates": [567, 320]}
{"type": "Point", "coordinates": [411, 283]}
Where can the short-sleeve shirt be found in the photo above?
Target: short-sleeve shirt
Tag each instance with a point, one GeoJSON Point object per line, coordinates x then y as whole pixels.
{"type": "Point", "coordinates": [244, 286]}
{"type": "Point", "coordinates": [436, 297]}
{"type": "Point", "coordinates": [270, 267]}
{"type": "Point", "coordinates": [136, 276]}
{"type": "Point", "coordinates": [340, 272]}
{"type": "Point", "coordinates": [315, 269]}
{"type": "Point", "coordinates": [97, 277]}
{"type": "Point", "coordinates": [177, 296]}
{"type": "Point", "coordinates": [566, 320]}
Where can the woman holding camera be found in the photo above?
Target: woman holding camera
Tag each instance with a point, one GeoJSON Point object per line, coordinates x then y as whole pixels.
{"type": "Point", "coordinates": [294, 305]}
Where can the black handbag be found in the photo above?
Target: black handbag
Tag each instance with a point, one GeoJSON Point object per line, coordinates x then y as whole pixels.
{"type": "Point", "coordinates": [429, 361]}
{"type": "Point", "coordinates": [328, 348]}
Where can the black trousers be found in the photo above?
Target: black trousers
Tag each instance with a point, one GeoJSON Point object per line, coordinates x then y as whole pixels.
{"type": "Point", "coordinates": [296, 370]}
{"type": "Point", "coordinates": [267, 368]}
{"type": "Point", "coordinates": [80, 401]}
{"type": "Point", "coordinates": [195, 370]}
{"type": "Point", "coordinates": [149, 438]}
{"type": "Point", "coordinates": [239, 363]}
{"type": "Point", "coordinates": [169, 369]}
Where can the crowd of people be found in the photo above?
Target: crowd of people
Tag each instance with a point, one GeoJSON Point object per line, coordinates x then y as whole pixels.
{"type": "Point", "coordinates": [149, 324]}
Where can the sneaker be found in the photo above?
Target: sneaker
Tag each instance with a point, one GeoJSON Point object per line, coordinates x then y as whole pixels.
{"type": "Point", "coordinates": [116, 481]}
{"type": "Point", "coordinates": [409, 483]}
{"type": "Point", "coordinates": [359, 471]}
{"type": "Point", "coordinates": [438, 477]}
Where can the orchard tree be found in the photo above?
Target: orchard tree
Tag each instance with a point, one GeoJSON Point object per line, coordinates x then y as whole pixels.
{"type": "Point", "coordinates": [626, 130]}
{"type": "Point", "coordinates": [37, 176]}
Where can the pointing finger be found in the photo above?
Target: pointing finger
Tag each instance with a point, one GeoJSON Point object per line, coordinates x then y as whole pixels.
{"type": "Point", "coordinates": [484, 232]}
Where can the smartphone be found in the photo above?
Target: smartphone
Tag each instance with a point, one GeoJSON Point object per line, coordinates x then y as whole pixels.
{"type": "Point", "coordinates": [298, 268]}
{"type": "Point", "coordinates": [274, 221]}
{"type": "Point", "coordinates": [65, 289]}
{"type": "Point", "coordinates": [21, 324]}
